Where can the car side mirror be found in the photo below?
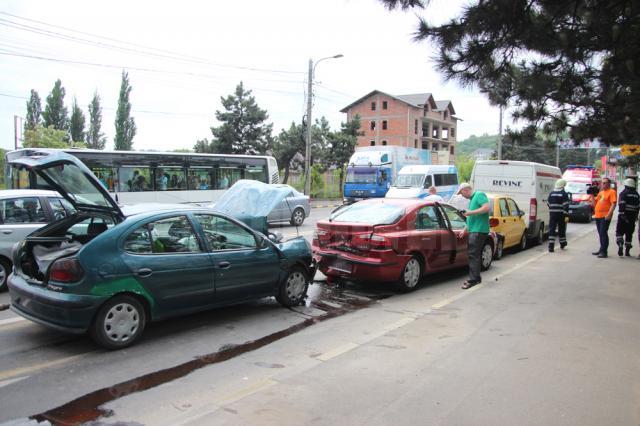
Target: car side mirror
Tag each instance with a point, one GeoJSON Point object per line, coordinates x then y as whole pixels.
{"type": "Point", "coordinates": [275, 237]}
{"type": "Point", "coordinates": [520, 213]}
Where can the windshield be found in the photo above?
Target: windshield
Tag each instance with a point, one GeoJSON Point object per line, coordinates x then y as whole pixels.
{"type": "Point", "coordinates": [361, 175]}
{"type": "Point", "coordinates": [381, 214]}
{"type": "Point", "coordinates": [409, 180]}
{"type": "Point", "coordinates": [576, 187]}
{"type": "Point", "coordinates": [76, 184]}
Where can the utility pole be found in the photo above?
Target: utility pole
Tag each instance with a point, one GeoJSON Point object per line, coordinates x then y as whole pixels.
{"type": "Point", "coordinates": [307, 147]}
{"type": "Point", "coordinates": [17, 131]}
{"type": "Point", "coordinates": [557, 152]}
{"type": "Point", "coordinates": [500, 135]}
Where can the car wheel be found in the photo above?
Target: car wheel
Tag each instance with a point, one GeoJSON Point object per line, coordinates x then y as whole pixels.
{"type": "Point", "coordinates": [499, 250]}
{"type": "Point", "coordinates": [486, 256]}
{"type": "Point", "coordinates": [297, 217]}
{"type": "Point", "coordinates": [411, 275]}
{"type": "Point", "coordinates": [293, 288]}
{"type": "Point", "coordinates": [119, 322]}
{"type": "Point", "coordinates": [540, 236]}
{"type": "Point", "coordinates": [523, 241]}
{"type": "Point", "coordinates": [5, 270]}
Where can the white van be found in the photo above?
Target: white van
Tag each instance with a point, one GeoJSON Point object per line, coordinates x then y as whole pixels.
{"type": "Point", "coordinates": [526, 182]}
{"type": "Point", "coordinates": [414, 181]}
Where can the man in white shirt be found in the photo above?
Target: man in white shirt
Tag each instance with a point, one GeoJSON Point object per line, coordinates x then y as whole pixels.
{"type": "Point", "coordinates": [433, 196]}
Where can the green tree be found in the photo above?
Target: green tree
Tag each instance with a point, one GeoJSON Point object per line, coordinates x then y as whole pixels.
{"type": "Point", "coordinates": [203, 146]}
{"type": "Point", "coordinates": [55, 113]}
{"type": "Point", "coordinates": [244, 129]}
{"type": "Point", "coordinates": [125, 124]}
{"type": "Point", "coordinates": [34, 111]}
{"type": "Point", "coordinates": [76, 124]}
{"type": "Point", "coordinates": [48, 137]}
{"type": "Point", "coordinates": [464, 164]}
{"type": "Point", "coordinates": [342, 144]}
{"type": "Point", "coordinates": [287, 146]}
{"type": "Point", "coordinates": [561, 64]}
{"type": "Point", "coordinates": [95, 138]}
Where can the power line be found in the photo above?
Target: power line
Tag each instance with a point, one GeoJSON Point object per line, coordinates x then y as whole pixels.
{"type": "Point", "coordinates": [149, 51]}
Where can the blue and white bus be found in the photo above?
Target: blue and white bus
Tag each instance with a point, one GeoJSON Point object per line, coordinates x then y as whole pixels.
{"type": "Point", "coordinates": [415, 181]}
{"type": "Point", "coordinates": [134, 177]}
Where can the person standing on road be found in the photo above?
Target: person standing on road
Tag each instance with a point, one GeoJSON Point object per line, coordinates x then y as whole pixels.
{"type": "Point", "coordinates": [605, 204]}
{"type": "Point", "coordinates": [433, 195]}
{"type": "Point", "coordinates": [478, 227]}
{"type": "Point", "coordinates": [628, 208]}
{"type": "Point", "coordinates": [558, 201]}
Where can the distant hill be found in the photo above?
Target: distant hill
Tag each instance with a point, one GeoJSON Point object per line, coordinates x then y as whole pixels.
{"type": "Point", "coordinates": [473, 142]}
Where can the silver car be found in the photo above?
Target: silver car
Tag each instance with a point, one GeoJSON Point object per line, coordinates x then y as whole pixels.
{"type": "Point", "coordinates": [22, 211]}
{"type": "Point", "coordinates": [293, 209]}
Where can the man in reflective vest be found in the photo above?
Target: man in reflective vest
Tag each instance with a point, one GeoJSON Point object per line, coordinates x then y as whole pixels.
{"type": "Point", "coordinates": [558, 201]}
{"type": "Point", "coordinates": [628, 207]}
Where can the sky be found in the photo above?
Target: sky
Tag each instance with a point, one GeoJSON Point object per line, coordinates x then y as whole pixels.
{"type": "Point", "coordinates": [182, 57]}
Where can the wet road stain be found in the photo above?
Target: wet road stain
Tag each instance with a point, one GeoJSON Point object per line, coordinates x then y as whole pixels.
{"type": "Point", "coordinates": [332, 301]}
{"type": "Point", "coordinates": [392, 346]}
{"type": "Point", "coordinates": [268, 365]}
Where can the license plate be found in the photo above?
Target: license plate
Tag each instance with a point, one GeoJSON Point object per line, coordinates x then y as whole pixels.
{"type": "Point", "coordinates": [341, 265]}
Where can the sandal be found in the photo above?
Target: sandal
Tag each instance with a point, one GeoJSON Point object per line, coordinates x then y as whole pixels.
{"type": "Point", "coordinates": [468, 284]}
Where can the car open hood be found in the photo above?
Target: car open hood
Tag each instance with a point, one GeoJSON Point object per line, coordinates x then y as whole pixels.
{"type": "Point", "coordinates": [250, 202]}
{"type": "Point", "coordinates": [66, 174]}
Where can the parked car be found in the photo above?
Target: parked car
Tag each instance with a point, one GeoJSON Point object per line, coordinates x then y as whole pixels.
{"type": "Point", "coordinates": [506, 219]}
{"type": "Point", "coordinates": [102, 272]}
{"type": "Point", "coordinates": [293, 209]}
{"type": "Point", "coordinates": [22, 211]}
{"type": "Point", "coordinates": [394, 240]}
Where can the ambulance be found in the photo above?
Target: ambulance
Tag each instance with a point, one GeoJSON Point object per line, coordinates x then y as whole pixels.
{"type": "Point", "coordinates": [583, 183]}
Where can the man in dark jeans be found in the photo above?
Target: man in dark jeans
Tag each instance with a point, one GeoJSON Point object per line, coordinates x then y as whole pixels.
{"type": "Point", "coordinates": [478, 226]}
{"type": "Point", "coordinates": [603, 212]}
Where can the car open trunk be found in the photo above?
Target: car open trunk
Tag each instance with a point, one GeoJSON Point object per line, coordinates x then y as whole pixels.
{"type": "Point", "coordinates": [34, 255]}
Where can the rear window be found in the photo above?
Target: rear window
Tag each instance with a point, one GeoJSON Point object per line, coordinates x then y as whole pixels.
{"type": "Point", "coordinates": [380, 214]}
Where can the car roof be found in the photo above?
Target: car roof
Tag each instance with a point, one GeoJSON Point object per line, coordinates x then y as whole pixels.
{"type": "Point", "coordinates": [402, 202]}
{"type": "Point", "coordinates": [10, 193]}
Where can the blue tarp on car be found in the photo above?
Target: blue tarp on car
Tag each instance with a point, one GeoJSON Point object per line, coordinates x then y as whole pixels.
{"type": "Point", "coordinates": [251, 201]}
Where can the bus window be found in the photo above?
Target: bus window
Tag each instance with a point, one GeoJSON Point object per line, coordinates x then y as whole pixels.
{"type": "Point", "coordinates": [106, 176]}
{"type": "Point", "coordinates": [199, 178]}
{"type": "Point", "coordinates": [170, 178]}
{"type": "Point", "coordinates": [256, 173]}
{"type": "Point", "coordinates": [134, 179]}
{"type": "Point", "coordinates": [227, 176]}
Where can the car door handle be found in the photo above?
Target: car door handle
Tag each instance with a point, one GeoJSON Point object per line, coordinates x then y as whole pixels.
{"type": "Point", "coordinates": [224, 265]}
{"type": "Point", "coordinates": [7, 231]}
{"type": "Point", "coordinates": [144, 272]}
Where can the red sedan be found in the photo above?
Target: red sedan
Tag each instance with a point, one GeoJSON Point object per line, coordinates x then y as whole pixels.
{"type": "Point", "coordinates": [396, 240]}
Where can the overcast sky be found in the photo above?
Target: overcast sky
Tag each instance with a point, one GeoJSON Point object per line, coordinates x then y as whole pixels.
{"type": "Point", "coordinates": [183, 56]}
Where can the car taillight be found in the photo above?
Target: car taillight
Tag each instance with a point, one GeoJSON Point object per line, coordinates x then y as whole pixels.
{"type": "Point", "coordinates": [66, 270]}
{"type": "Point", "coordinates": [493, 222]}
{"type": "Point", "coordinates": [378, 242]}
{"type": "Point", "coordinates": [533, 210]}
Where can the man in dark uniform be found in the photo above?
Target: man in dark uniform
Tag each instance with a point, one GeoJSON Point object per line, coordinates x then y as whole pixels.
{"type": "Point", "coordinates": [628, 207]}
{"type": "Point", "coordinates": [558, 201]}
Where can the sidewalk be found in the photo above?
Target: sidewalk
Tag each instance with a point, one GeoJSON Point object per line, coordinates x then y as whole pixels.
{"type": "Point", "coordinates": [319, 203]}
{"type": "Point", "coordinates": [548, 338]}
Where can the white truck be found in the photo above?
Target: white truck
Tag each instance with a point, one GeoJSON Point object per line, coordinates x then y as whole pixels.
{"type": "Point", "coordinates": [373, 169]}
{"type": "Point", "coordinates": [526, 182]}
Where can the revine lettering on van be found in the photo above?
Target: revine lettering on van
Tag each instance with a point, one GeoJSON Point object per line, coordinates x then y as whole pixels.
{"type": "Point", "coordinates": [509, 183]}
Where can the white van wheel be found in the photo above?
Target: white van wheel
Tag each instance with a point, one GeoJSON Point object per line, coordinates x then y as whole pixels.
{"type": "Point", "coordinates": [540, 236]}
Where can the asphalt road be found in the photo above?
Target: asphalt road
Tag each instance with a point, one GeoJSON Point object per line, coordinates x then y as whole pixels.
{"type": "Point", "coordinates": [41, 369]}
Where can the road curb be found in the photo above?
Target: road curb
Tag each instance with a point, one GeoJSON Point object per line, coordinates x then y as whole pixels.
{"type": "Point", "coordinates": [324, 206]}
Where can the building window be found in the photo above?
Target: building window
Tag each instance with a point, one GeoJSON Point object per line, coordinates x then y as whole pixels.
{"type": "Point", "coordinates": [373, 143]}
{"type": "Point", "coordinates": [446, 114]}
{"type": "Point", "coordinates": [451, 151]}
{"type": "Point", "coordinates": [445, 133]}
{"type": "Point", "coordinates": [373, 125]}
{"type": "Point", "coordinates": [384, 124]}
{"type": "Point", "coordinates": [453, 132]}
{"type": "Point", "coordinates": [384, 105]}
{"type": "Point", "coordinates": [373, 106]}
{"type": "Point", "coordinates": [434, 147]}
{"type": "Point", "coordinates": [415, 143]}
{"type": "Point", "coordinates": [384, 142]}
{"type": "Point", "coordinates": [415, 127]}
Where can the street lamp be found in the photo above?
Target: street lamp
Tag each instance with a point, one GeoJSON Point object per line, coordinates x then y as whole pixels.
{"type": "Point", "coordinates": [307, 150]}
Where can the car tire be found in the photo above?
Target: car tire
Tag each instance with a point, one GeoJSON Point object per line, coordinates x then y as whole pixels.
{"type": "Point", "coordinates": [5, 270]}
{"type": "Point", "coordinates": [499, 250]}
{"type": "Point", "coordinates": [540, 237]}
{"type": "Point", "coordinates": [297, 217]}
{"type": "Point", "coordinates": [522, 245]}
{"type": "Point", "coordinates": [128, 316]}
{"type": "Point", "coordinates": [293, 289]}
{"type": "Point", "coordinates": [411, 275]}
{"type": "Point", "coordinates": [486, 256]}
